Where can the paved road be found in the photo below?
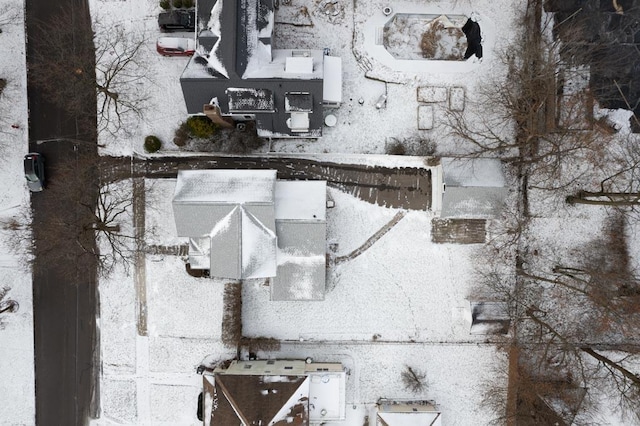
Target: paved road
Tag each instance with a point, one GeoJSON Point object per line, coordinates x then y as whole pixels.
{"type": "Point", "coordinates": [407, 187]}
{"type": "Point", "coordinates": [64, 284]}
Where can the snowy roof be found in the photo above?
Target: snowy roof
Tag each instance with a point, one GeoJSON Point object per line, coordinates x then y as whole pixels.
{"type": "Point", "coordinates": [298, 64]}
{"type": "Point", "coordinates": [286, 64]}
{"type": "Point", "coordinates": [235, 51]}
{"type": "Point", "coordinates": [250, 399]}
{"type": "Point", "coordinates": [474, 187]}
{"type": "Point", "coordinates": [472, 202]}
{"type": "Point", "coordinates": [478, 172]}
{"type": "Point", "coordinates": [271, 391]}
{"type": "Point", "coordinates": [327, 395]}
{"type": "Point", "coordinates": [301, 260]}
{"type": "Point", "coordinates": [301, 200]}
{"type": "Point", "coordinates": [234, 209]}
{"type": "Point", "coordinates": [418, 413]}
{"type": "Point", "coordinates": [332, 89]}
{"type": "Point", "coordinates": [232, 218]}
{"type": "Point", "coordinates": [232, 32]}
{"type": "Point", "coordinates": [301, 229]}
{"type": "Point", "coordinates": [225, 186]}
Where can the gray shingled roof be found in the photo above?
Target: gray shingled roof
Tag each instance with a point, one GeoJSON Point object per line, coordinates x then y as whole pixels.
{"type": "Point", "coordinates": [232, 218]}
{"type": "Point", "coordinates": [234, 209]}
{"type": "Point", "coordinates": [301, 261]}
{"type": "Point", "coordinates": [474, 187]}
{"type": "Point", "coordinates": [222, 60]}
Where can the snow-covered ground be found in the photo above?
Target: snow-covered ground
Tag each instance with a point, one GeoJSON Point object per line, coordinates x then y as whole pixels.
{"type": "Point", "coordinates": [17, 388]}
{"type": "Point", "coordinates": [361, 127]}
{"type": "Point", "coordinates": [402, 302]}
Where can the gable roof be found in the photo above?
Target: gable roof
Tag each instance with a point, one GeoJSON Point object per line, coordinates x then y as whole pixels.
{"type": "Point", "coordinates": [246, 224]}
{"type": "Point", "coordinates": [297, 392]}
{"type": "Point", "coordinates": [236, 68]}
{"type": "Point", "coordinates": [234, 210]}
{"type": "Point", "coordinates": [474, 187]}
{"type": "Point", "coordinates": [253, 399]}
{"type": "Point", "coordinates": [409, 413]}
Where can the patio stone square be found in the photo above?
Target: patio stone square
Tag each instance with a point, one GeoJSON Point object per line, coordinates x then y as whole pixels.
{"type": "Point", "coordinates": [429, 94]}
{"type": "Point", "coordinates": [456, 99]}
{"type": "Point", "coordinates": [425, 117]}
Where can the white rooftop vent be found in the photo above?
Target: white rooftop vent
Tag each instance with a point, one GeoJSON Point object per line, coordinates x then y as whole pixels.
{"type": "Point", "coordinates": [332, 82]}
{"type": "Point", "coordinates": [299, 65]}
{"type": "Point", "coordinates": [299, 122]}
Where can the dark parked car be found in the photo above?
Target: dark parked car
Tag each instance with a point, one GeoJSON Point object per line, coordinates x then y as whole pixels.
{"type": "Point", "coordinates": [34, 171]}
{"type": "Point", "coordinates": [199, 411]}
{"type": "Point", "coordinates": [177, 20]}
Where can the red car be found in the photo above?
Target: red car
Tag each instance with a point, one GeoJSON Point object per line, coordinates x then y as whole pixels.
{"type": "Point", "coordinates": [176, 46]}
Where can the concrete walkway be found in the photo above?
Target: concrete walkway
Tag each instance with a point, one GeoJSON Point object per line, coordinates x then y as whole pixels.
{"type": "Point", "coordinates": [373, 239]}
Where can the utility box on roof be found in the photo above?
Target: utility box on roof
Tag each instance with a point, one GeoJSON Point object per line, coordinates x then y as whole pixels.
{"type": "Point", "coordinates": [332, 83]}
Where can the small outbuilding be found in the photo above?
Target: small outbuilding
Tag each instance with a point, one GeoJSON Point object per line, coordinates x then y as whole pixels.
{"type": "Point", "coordinates": [469, 188]}
{"type": "Point", "coordinates": [407, 413]}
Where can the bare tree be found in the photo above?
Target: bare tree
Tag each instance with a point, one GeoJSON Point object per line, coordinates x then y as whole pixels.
{"type": "Point", "coordinates": [621, 186]}
{"type": "Point", "coordinates": [575, 316]}
{"type": "Point", "coordinates": [574, 321]}
{"type": "Point", "coordinates": [552, 124]}
{"type": "Point", "coordinates": [575, 329]}
{"type": "Point", "coordinates": [120, 72]}
{"type": "Point", "coordinates": [90, 219]}
{"type": "Point", "coordinates": [536, 399]}
{"type": "Point", "coordinates": [72, 62]}
{"type": "Point", "coordinates": [413, 379]}
{"type": "Point", "coordinates": [7, 305]}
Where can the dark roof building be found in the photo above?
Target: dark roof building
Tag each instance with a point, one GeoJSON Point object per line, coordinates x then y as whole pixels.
{"type": "Point", "coordinates": [274, 392]}
{"type": "Point", "coordinates": [237, 74]}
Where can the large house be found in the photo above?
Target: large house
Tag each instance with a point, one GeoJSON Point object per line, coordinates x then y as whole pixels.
{"type": "Point", "coordinates": [274, 392]}
{"type": "Point", "coordinates": [245, 224]}
{"type": "Point", "coordinates": [238, 75]}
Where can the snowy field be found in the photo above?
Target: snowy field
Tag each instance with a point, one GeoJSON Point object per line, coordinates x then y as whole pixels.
{"type": "Point", "coordinates": [402, 302]}
{"type": "Point", "coordinates": [17, 390]}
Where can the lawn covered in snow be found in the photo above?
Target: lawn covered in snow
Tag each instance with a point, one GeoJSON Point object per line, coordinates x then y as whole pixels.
{"type": "Point", "coordinates": [17, 388]}
{"type": "Point", "coordinates": [402, 302]}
